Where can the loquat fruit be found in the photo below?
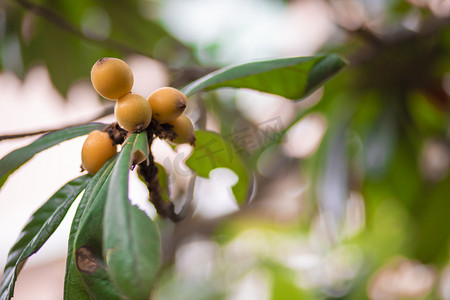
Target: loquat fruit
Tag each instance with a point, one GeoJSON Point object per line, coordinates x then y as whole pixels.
{"type": "Point", "coordinates": [167, 104]}
{"type": "Point", "coordinates": [184, 129]}
{"type": "Point", "coordinates": [111, 78]}
{"type": "Point", "coordinates": [133, 112]}
{"type": "Point", "coordinates": [97, 149]}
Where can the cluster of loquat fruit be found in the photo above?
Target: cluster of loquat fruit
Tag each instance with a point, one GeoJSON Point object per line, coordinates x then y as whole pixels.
{"type": "Point", "coordinates": [113, 79]}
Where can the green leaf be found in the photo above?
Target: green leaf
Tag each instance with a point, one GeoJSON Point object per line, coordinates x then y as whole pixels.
{"type": "Point", "coordinates": [12, 161]}
{"type": "Point", "coordinates": [141, 144]}
{"type": "Point", "coordinates": [212, 151]}
{"type": "Point", "coordinates": [70, 61]}
{"type": "Point", "coordinates": [328, 167]}
{"type": "Point", "coordinates": [39, 228]}
{"type": "Point", "coordinates": [380, 143]}
{"type": "Point", "coordinates": [85, 243]}
{"type": "Point", "coordinates": [163, 182]}
{"type": "Point", "coordinates": [140, 149]}
{"type": "Point", "coordinates": [293, 78]}
{"type": "Point", "coordinates": [131, 239]}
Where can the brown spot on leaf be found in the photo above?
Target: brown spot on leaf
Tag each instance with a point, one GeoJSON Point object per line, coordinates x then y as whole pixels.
{"type": "Point", "coordinates": [86, 261]}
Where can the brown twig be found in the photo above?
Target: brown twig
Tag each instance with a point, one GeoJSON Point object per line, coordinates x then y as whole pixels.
{"type": "Point", "coordinates": [182, 76]}
{"type": "Point", "coordinates": [116, 133]}
{"type": "Point", "coordinates": [163, 208]}
{"type": "Point", "coordinates": [378, 43]}
{"type": "Point", "coordinates": [162, 131]}
{"type": "Point", "coordinates": [107, 110]}
{"type": "Point", "coordinates": [149, 172]}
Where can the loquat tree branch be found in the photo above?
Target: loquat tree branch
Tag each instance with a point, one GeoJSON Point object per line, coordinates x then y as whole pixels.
{"type": "Point", "coordinates": [106, 111]}
{"type": "Point", "coordinates": [149, 172]}
{"type": "Point", "coordinates": [183, 76]}
{"type": "Point", "coordinates": [378, 44]}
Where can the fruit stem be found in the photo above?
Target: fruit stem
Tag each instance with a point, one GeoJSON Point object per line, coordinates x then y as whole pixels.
{"type": "Point", "coordinates": [116, 133]}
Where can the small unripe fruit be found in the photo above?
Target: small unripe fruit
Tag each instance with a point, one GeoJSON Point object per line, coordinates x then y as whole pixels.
{"type": "Point", "coordinates": [184, 129]}
{"type": "Point", "coordinates": [133, 113]}
{"type": "Point", "coordinates": [112, 78]}
{"type": "Point", "coordinates": [167, 104]}
{"type": "Point", "coordinates": [97, 149]}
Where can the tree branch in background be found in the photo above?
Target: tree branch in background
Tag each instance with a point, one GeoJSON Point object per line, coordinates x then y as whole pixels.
{"type": "Point", "coordinates": [376, 43]}
{"type": "Point", "coordinates": [379, 43]}
{"type": "Point", "coordinates": [107, 110]}
{"type": "Point", "coordinates": [182, 76]}
{"type": "Point", "coordinates": [63, 24]}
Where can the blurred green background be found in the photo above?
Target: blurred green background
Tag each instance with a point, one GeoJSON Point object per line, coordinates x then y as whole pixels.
{"type": "Point", "coordinates": [351, 187]}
